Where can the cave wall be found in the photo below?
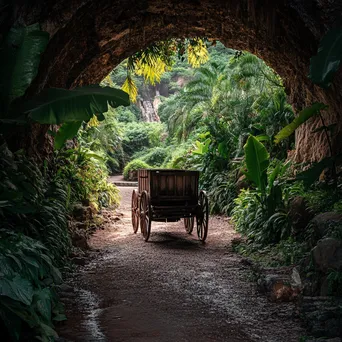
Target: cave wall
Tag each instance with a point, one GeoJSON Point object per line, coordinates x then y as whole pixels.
{"type": "Point", "coordinates": [90, 37]}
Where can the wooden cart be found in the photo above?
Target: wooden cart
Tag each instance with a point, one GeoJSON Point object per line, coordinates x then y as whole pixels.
{"type": "Point", "coordinates": [169, 195]}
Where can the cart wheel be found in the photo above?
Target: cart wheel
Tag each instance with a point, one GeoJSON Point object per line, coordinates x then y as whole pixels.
{"type": "Point", "coordinates": [203, 216]}
{"type": "Point", "coordinates": [145, 215]}
{"type": "Point", "coordinates": [189, 224]}
{"type": "Point", "coordinates": [135, 211]}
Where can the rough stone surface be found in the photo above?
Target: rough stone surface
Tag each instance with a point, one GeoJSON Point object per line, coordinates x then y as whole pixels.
{"type": "Point", "coordinates": [321, 223]}
{"type": "Point", "coordinates": [300, 214]}
{"type": "Point", "coordinates": [79, 238]}
{"type": "Point", "coordinates": [322, 316]}
{"type": "Point", "coordinates": [328, 254]}
{"type": "Point", "coordinates": [90, 37]}
{"type": "Point", "coordinates": [82, 213]}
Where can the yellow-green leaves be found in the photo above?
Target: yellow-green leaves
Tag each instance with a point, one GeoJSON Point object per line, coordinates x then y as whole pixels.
{"type": "Point", "coordinates": [130, 88]}
{"type": "Point", "coordinates": [197, 53]}
{"type": "Point", "coordinates": [158, 58]}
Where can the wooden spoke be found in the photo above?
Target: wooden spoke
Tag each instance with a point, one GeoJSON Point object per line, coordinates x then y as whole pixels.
{"type": "Point", "coordinates": [135, 211]}
{"type": "Point", "coordinates": [145, 215]}
{"type": "Point", "coordinates": [189, 224]}
{"type": "Point", "coordinates": [203, 216]}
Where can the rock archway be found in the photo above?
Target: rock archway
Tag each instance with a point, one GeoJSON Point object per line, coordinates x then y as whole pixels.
{"type": "Point", "coordinates": [90, 37]}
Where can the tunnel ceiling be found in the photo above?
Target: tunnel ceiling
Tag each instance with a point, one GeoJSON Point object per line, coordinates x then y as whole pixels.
{"type": "Point", "coordinates": [90, 37]}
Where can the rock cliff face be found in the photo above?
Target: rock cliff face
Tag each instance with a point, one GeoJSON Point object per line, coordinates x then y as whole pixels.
{"type": "Point", "coordinates": [90, 37]}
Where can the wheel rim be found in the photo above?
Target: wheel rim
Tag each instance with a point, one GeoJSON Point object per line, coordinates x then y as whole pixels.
{"type": "Point", "coordinates": [145, 216]}
{"type": "Point", "coordinates": [203, 216]}
{"type": "Point", "coordinates": [189, 224]}
{"type": "Point", "coordinates": [135, 211]}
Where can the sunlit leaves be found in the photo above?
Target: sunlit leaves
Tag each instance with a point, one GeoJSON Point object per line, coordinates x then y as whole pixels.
{"type": "Point", "coordinates": [159, 57]}
{"type": "Point", "coordinates": [130, 88]}
{"type": "Point", "coordinates": [197, 52]}
{"type": "Point", "coordinates": [151, 72]}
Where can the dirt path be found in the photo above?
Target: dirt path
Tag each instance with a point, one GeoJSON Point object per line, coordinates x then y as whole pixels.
{"type": "Point", "coordinates": [172, 288]}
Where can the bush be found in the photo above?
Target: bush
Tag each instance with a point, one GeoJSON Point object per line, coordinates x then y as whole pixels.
{"type": "Point", "coordinates": [179, 159]}
{"type": "Point", "coordinates": [86, 174]}
{"type": "Point", "coordinates": [252, 219]}
{"type": "Point", "coordinates": [126, 114]}
{"type": "Point", "coordinates": [34, 239]}
{"type": "Point", "coordinates": [130, 170]}
{"type": "Point", "coordinates": [28, 301]}
{"type": "Point", "coordinates": [222, 192]}
{"type": "Point", "coordinates": [285, 253]}
{"type": "Point", "coordinates": [155, 157]}
{"type": "Point", "coordinates": [138, 136]}
{"type": "Point", "coordinates": [32, 204]}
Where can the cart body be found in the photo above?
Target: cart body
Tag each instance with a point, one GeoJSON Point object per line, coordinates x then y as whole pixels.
{"type": "Point", "coordinates": [169, 195]}
{"type": "Point", "coordinates": [173, 193]}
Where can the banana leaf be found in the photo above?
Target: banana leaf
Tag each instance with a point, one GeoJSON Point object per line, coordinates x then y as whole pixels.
{"type": "Point", "coordinates": [20, 58]}
{"type": "Point", "coordinates": [325, 64]}
{"type": "Point", "coordinates": [302, 117]}
{"type": "Point", "coordinates": [257, 161]}
{"type": "Point", "coordinates": [67, 131]}
{"type": "Point", "coordinates": [57, 106]}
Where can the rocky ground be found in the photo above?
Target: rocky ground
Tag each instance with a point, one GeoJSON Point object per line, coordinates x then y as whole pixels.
{"type": "Point", "coordinates": [172, 288]}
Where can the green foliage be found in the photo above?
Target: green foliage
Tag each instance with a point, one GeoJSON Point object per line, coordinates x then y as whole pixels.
{"type": "Point", "coordinates": [33, 205]}
{"type": "Point", "coordinates": [261, 214]}
{"type": "Point", "coordinates": [87, 175]}
{"type": "Point", "coordinates": [302, 117]}
{"type": "Point", "coordinates": [335, 283]}
{"type": "Point", "coordinates": [322, 197]}
{"type": "Point", "coordinates": [127, 114]}
{"type": "Point", "coordinates": [133, 166]}
{"type": "Point", "coordinates": [257, 161]}
{"type": "Point", "coordinates": [159, 57]}
{"type": "Point", "coordinates": [56, 106]}
{"type": "Point", "coordinates": [20, 57]}
{"type": "Point", "coordinates": [254, 220]}
{"type": "Point", "coordinates": [325, 64]}
{"type": "Point", "coordinates": [139, 136]}
{"type": "Point", "coordinates": [155, 157]}
{"type": "Point", "coordinates": [28, 302]}
{"type": "Point", "coordinates": [67, 131]}
{"type": "Point", "coordinates": [33, 240]}
{"type": "Point", "coordinates": [222, 191]}
{"type": "Point", "coordinates": [285, 253]}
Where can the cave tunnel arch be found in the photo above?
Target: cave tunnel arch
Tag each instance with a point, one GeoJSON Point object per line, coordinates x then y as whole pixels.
{"type": "Point", "coordinates": [90, 37]}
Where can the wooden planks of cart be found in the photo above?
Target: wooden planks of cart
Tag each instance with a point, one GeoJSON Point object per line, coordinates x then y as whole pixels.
{"type": "Point", "coordinates": [169, 195]}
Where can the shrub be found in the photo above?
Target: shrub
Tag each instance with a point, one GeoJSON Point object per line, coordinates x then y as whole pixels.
{"type": "Point", "coordinates": [86, 173]}
{"type": "Point", "coordinates": [142, 135]}
{"type": "Point", "coordinates": [33, 240]}
{"type": "Point", "coordinates": [32, 204]}
{"type": "Point", "coordinates": [222, 192]}
{"type": "Point", "coordinates": [155, 157]}
{"type": "Point", "coordinates": [253, 220]}
{"type": "Point", "coordinates": [130, 170]}
{"type": "Point", "coordinates": [28, 301]}
{"type": "Point", "coordinates": [285, 253]}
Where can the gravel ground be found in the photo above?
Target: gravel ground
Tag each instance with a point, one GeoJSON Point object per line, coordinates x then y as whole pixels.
{"type": "Point", "coordinates": [172, 288]}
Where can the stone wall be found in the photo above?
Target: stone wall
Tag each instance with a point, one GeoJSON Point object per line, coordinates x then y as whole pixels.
{"type": "Point", "coordinates": [90, 37]}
